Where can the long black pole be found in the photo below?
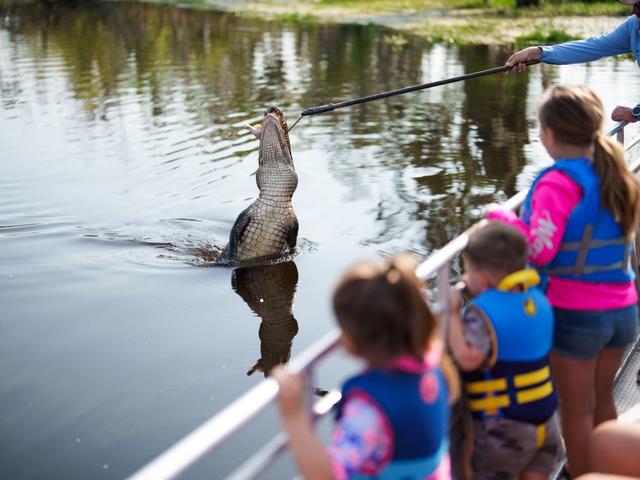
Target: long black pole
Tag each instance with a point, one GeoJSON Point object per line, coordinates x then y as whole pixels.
{"type": "Point", "coordinates": [347, 103]}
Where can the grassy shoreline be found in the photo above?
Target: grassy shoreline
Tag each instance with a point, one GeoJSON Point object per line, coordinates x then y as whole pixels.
{"type": "Point", "coordinates": [468, 22]}
{"type": "Point", "coordinates": [463, 22]}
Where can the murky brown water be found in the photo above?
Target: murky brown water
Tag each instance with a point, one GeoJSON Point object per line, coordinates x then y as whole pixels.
{"type": "Point", "coordinates": [123, 165]}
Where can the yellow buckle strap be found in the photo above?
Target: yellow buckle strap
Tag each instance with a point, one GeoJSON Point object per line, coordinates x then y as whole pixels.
{"type": "Point", "coordinates": [527, 278]}
{"type": "Point", "coordinates": [541, 432]}
{"type": "Point", "coordinates": [531, 378]}
{"type": "Point", "coordinates": [532, 394]}
{"type": "Point", "coordinates": [489, 404]}
{"type": "Point", "coordinates": [486, 386]}
{"type": "Point", "coordinates": [500, 384]}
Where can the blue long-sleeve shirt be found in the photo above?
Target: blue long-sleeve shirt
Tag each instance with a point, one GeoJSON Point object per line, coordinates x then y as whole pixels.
{"type": "Point", "coordinates": [624, 39]}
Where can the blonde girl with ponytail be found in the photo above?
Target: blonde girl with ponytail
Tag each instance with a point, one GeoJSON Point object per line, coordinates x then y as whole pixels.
{"type": "Point", "coordinates": [580, 218]}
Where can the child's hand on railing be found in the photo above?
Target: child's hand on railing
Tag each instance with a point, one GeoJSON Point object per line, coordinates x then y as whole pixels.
{"type": "Point", "coordinates": [623, 114]}
{"type": "Point", "coordinates": [492, 207]}
{"type": "Point", "coordinates": [291, 391]}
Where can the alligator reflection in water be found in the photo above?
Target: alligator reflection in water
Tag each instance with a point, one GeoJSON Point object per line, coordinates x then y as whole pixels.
{"type": "Point", "coordinates": [269, 292]}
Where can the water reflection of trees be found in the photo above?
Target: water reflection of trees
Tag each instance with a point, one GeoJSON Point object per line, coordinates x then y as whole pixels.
{"type": "Point", "coordinates": [439, 153]}
{"type": "Point", "coordinates": [268, 290]}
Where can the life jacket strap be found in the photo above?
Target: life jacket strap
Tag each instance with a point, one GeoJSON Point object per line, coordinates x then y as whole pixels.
{"type": "Point", "coordinates": [526, 278]}
{"type": "Point", "coordinates": [529, 395]}
{"type": "Point", "coordinates": [582, 247]}
{"type": "Point", "coordinates": [541, 432]}
{"type": "Point", "coordinates": [572, 246]}
{"type": "Point", "coordinates": [490, 404]}
{"type": "Point", "coordinates": [531, 378]}
{"type": "Point", "coordinates": [496, 395]}
{"type": "Point", "coordinates": [486, 386]}
{"type": "Point", "coordinates": [585, 270]}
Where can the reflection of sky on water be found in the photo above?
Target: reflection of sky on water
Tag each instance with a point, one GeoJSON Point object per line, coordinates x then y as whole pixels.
{"type": "Point", "coordinates": [122, 154]}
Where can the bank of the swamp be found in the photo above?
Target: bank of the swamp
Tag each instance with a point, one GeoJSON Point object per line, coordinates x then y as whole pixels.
{"type": "Point", "coordinates": [490, 22]}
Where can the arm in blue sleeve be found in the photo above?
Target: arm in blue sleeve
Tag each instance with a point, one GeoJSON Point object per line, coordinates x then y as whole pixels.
{"type": "Point", "coordinates": [612, 43]}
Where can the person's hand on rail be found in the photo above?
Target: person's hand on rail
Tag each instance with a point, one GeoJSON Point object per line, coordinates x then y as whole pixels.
{"type": "Point", "coordinates": [623, 114]}
{"type": "Point", "coordinates": [291, 391]}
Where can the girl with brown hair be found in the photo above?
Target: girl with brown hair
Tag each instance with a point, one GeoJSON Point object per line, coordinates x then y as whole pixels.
{"type": "Point", "coordinates": [580, 218]}
{"type": "Point", "coordinates": [393, 418]}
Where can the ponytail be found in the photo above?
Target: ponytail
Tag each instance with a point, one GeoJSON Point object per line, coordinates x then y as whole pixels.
{"type": "Point", "coordinates": [619, 190]}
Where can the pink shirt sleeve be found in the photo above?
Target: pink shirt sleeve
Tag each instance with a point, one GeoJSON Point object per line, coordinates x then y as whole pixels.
{"type": "Point", "coordinates": [362, 440]}
{"type": "Point", "coordinates": [554, 198]}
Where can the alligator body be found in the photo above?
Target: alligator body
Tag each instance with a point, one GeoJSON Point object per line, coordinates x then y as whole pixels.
{"type": "Point", "coordinates": [268, 227]}
{"type": "Point", "coordinates": [269, 291]}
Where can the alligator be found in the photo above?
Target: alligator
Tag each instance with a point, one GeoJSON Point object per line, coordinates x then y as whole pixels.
{"type": "Point", "coordinates": [269, 291]}
{"type": "Point", "coordinates": [268, 227]}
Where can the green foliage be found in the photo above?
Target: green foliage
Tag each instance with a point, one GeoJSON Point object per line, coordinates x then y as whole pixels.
{"type": "Point", "coordinates": [397, 6]}
{"type": "Point", "coordinates": [395, 40]}
{"type": "Point", "coordinates": [539, 38]}
{"type": "Point", "coordinates": [494, 7]}
{"type": "Point", "coordinates": [295, 18]}
{"type": "Point", "coordinates": [579, 9]}
{"type": "Point", "coordinates": [459, 34]}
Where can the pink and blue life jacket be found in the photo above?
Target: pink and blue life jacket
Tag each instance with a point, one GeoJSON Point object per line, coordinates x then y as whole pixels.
{"type": "Point", "coordinates": [594, 247]}
{"type": "Point", "coordinates": [420, 425]}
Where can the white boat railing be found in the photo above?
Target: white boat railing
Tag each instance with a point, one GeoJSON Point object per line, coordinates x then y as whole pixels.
{"type": "Point", "coordinates": [186, 452]}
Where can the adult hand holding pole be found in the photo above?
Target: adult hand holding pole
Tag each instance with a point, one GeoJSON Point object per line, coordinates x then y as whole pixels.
{"type": "Point", "coordinates": [518, 60]}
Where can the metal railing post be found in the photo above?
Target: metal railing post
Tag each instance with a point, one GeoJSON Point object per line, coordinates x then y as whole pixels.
{"type": "Point", "coordinates": [442, 282]}
{"type": "Point", "coordinates": [617, 129]}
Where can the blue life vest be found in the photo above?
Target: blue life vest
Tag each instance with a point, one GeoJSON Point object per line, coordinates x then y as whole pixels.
{"type": "Point", "coordinates": [594, 247]}
{"type": "Point", "coordinates": [516, 382]}
{"type": "Point", "coordinates": [420, 429]}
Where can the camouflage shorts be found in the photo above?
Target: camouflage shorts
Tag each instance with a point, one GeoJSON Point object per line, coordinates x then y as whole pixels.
{"type": "Point", "coordinates": [505, 448]}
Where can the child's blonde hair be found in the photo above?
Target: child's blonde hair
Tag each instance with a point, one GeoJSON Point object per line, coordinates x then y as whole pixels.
{"type": "Point", "coordinates": [380, 305]}
{"type": "Point", "coordinates": [575, 116]}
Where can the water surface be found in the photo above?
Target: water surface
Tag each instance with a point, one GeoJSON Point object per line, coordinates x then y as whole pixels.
{"type": "Point", "coordinates": [124, 163]}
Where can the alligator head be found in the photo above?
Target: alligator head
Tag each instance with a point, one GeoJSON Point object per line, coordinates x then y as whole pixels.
{"type": "Point", "coordinates": [274, 138]}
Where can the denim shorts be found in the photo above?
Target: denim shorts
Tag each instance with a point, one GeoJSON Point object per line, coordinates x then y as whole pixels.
{"type": "Point", "coordinates": [582, 334]}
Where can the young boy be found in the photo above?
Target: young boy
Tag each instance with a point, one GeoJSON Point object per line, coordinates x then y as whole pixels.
{"type": "Point", "coordinates": [502, 347]}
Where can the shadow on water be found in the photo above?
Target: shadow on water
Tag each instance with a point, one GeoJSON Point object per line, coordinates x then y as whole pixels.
{"type": "Point", "coordinates": [269, 291]}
